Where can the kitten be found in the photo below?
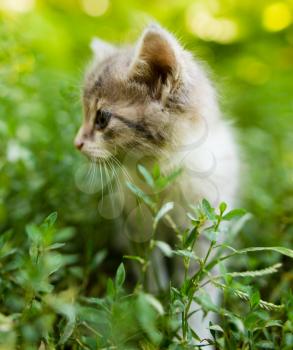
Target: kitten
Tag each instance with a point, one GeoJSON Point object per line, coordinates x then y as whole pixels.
{"type": "Point", "coordinates": [155, 101]}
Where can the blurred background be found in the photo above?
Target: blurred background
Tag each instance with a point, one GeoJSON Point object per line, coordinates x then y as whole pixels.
{"type": "Point", "coordinates": [44, 47]}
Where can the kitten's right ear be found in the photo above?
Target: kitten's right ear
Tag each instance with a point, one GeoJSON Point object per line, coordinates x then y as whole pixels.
{"type": "Point", "coordinates": [101, 49]}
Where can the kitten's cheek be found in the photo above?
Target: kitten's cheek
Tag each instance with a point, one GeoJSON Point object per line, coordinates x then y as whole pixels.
{"type": "Point", "coordinates": [95, 149]}
{"type": "Point", "coordinates": [89, 151]}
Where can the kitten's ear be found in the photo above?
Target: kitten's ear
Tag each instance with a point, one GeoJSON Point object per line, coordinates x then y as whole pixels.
{"type": "Point", "coordinates": [157, 57]}
{"type": "Point", "coordinates": [101, 49]}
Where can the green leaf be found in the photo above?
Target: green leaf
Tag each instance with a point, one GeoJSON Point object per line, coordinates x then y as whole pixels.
{"type": "Point", "coordinates": [163, 181]}
{"type": "Point", "coordinates": [98, 259]}
{"type": "Point", "coordinates": [134, 257]}
{"type": "Point", "coordinates": [6, 254]}
{"type": "Point", "coordinates": [68, 311]}
{"type": "Point", "coordinates": [282, 250]}
{"type": "Point", "coordinates": [192, 217]}
{"type": "Point", "coordinates": [274, 323]}
{"type": "Point", "coordinates": [156, 171]}
{"type": "Point", "coordinates": [154, 303]}
{"type": "Point", "coordinates": [187, 254]}
{"type": "Point", "coordinates": [96, 301]}
{"type": "Point", "coordinates": [51, 219]}
{"type": "Point", "coordinates": [53, 262]}
{"type": "Point", "coordinates": [254, 299]}
{"type": "Point", "coordinates": [147, 176]}
{"type": "Point", "coordinates": [64, 234]}
{"type": "Point", "coordinates": [162, 212]}
{"type": "Point", "coordinates": [120, 276]}
{"type": "Point", "coordinates": [139, 193]}
{"type": "Point", "coordinates": [55, 246]}
{"type": "Point", "coordinates": [67, 331]}
{"type": "Point", "coordinates": [185, 288]}
{"type": "Point", "coordinates": [178, 306]}
{"type": "Point", "coordinates": [217, 328]}
{"type": "Point", "coordinates": [5, 237]}
{"type": "Point", "coordinates": [252, 319]}
{"type": "Point", "coordinates": [206, 302]}
{"type": "Point", "coordinates": [211, 234]}
{"type": "Point", "coordinates": [194, 335]}
{"type": "Point", "coordinates": [147, 314]}
{"type": "Point", "coordinates": [193, 234]}
{"type": "Point", "coordinates": [239, 224]}
{"type": "Point", "coordinates": [34, 252]}
{"type": "Point", "coordinates": [223, 207]}
{"type": "Point", "coordinates": [110, 288]}
{"type": "Point", "coordinates": [234, 213]}
{"type": "Point", "coordinates": [165, 248]}
{"type": "Point", "coordinates": [265, 344]}
{"type": "Point", "coordinates": [208, 210]}
{"type": "Point", "coordinates": [34, 233]}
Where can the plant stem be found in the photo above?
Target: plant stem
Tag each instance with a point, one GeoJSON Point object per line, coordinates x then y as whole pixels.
{"type": "Point", "coordinates": [194, 285]}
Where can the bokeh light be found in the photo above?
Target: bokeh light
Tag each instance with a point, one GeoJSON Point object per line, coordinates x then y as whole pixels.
{"type": "Point", "coordinates": [95, 8]}
{"type": "Point", "coordinates": [277, 16]}
{"type": "Point", "coordinates": [17, 5]}
{"type": "Point", "coordinates": [202, 22]}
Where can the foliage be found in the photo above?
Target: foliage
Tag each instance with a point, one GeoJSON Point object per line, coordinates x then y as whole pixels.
{"type": "Point", "coordinates": [44, 49]}
{"type": "Point", "coordinates": [44, 306]}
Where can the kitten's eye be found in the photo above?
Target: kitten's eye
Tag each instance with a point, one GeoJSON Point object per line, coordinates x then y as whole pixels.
{"type": "Point", "coordinates": [102, 119]}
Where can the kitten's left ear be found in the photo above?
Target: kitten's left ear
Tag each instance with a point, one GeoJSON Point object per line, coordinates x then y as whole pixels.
{"type": "Point", "coordinates": [157, 57]}
{"type": "Point", "coordinates": [101, 49]}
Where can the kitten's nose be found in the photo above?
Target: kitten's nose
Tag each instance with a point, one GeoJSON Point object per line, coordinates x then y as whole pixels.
{"type": "Point", "coordinates": [78, 144]}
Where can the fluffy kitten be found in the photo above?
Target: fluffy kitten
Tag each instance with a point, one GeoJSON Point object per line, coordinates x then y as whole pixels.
{"type": "Point", "coordinates": [155, 100]}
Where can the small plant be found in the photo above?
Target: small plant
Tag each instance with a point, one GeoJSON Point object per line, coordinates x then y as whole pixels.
{"type": "Point", "coordinates": [248, 330]}
{"type": "Point", "coordinates": [44, 303]}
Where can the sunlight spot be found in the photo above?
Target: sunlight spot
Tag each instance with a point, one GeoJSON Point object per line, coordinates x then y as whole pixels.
{"type": "Point", "coordinates": [95, 8]}
{"type": "Point", "coordinates": [16, 152]}
{"type": "Point", "coordinates": [277, 16]}
{"type": "Point", "coordinates": [201, 22]}
{"type": "Point", "coordinates": [17, 5]}
{"type": "Point", "coordinates": [23, 133]}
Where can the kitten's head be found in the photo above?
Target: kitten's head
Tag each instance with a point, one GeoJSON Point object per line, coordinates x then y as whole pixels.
{"type": "Point", "coordinates": [133, 96]}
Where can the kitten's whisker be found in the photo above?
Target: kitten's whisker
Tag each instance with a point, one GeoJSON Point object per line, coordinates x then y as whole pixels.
{"type": "Point", "coordinates": [129, 179]}
{"type": "Point", "coordinates": [91, 176]}
{"type": "Point", "coordinates": [109, 178]}
{"type": "Point", "coordinates": [124, 171]}
{"type": "Point", "coordinates": [101, 175]}
{"type": "Point", "coordinates": [128, 176]}
{"type": "Point", "coordinates": [89, 171]}
{"type": "Point", "coordinates": [119, 187]}
{"type": "Point", "coordinates": [95, 175]}
{"type": "Point", "coordinates": [112, 201]}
